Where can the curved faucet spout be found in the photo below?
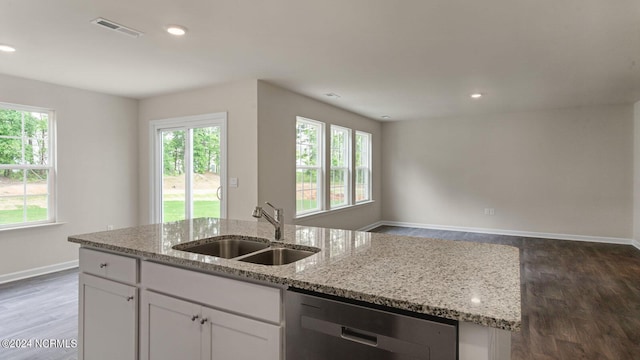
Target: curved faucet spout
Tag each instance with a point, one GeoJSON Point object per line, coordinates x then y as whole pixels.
{"type": "Point", "coordinates": [276, 220]}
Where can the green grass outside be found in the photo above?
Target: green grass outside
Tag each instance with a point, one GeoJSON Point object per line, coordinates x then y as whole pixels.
{"type": "Point", "coordinates": [302, 205]}
{"type": "Point", "coordinates": [174, 209]}
{"type": "Point", "coordinates": [34, 213]}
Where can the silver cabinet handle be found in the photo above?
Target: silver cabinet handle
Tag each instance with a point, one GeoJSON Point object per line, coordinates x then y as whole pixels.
{"type": "Point", "coordinates": [203, 321]}
{"type": "Point", "coordinates": [194, 317]}
{"type": "Point", "coordinates": [103, 265]}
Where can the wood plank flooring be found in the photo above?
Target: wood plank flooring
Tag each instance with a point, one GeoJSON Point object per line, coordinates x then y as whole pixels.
{"type": "Point", "coordinates": [44, 307]}
{"type": "Point", "coordinates": [580, 300]}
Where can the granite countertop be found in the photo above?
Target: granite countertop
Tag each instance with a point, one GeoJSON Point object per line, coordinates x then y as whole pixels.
{"type": "Point", "coordinates": [471, 282]}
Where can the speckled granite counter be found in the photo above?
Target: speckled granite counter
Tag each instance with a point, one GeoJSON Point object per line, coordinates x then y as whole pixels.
{"type": "Point", "coordinates": [472, 282]}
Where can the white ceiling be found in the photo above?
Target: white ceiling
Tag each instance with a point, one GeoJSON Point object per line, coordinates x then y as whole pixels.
{"type": "Point", "coordinates": [410, 59]}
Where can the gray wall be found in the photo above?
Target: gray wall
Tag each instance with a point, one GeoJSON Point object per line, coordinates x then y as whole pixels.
{"type": "Point", "coordinates": [636, 176]}
{"type": "Point", "coordinates": [96, 171]}
{"type": "Point", "coordinates": [239, 100]}
{"type": "Point", "coordinates": [560, 171]}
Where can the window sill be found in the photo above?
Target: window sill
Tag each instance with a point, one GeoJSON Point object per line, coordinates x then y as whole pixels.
{"type": "Point", "coordinates": [332, 211]}
{"type": "Point", "coordinates": [24, 227]}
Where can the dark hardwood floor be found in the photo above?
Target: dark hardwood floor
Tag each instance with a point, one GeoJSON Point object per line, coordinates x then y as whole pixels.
{"type": "Point", "coordinates": [43, 307]}
{"type": "Point", "coordinates": [580, 300]}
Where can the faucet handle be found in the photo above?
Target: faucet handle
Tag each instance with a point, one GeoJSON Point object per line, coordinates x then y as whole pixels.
{"type": "Point", "coordinates": [273, 207]}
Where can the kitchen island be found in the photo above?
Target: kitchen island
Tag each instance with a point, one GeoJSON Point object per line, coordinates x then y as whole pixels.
{"type": "Point", "coordinates": [475, 284]}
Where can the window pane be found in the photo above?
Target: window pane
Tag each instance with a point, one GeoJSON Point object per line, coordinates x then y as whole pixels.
{"type": "Point", "coordinates": [25, 140]}
{"type": "Point", "coordinates": [307, 190]}
{"type": "Point", "coordinates": [36, 130]}
{"type": "Point", "coordinates": [37, 208]}
{"type": "Point", "coordinates": [37, 183]}
{"type": "Point", "coordinates": [339, 194]}
{"type": "Point", "coordinates": [307, 144]}
{"type": "Point", "coordinates": [308, 165]}
{"type": "Point", "coordinates": [10, 123]}
{"type": "Point", "coordinates": [339, 143]}
{"type": "Point", "coordinates": [10, 151]}
{"type": "Point", "coordinates": [11, 209]}
{"type": "Point", "coordinates": [363, 166]}
{"type": "Point", "coordinates": [206, 172]}
{"type": "Point", "coordinates": [173, 176]}
{"type": "Point", "coordinates": [362, 184]}
{"type": "Point", "coordinates": [339, 175]}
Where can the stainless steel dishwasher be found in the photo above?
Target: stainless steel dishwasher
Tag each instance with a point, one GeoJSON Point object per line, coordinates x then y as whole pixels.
{"type": "Point", "coordinates": [320, 327]}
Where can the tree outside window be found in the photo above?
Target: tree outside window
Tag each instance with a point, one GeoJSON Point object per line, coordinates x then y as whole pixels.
{"type": "Point", "coordinates": [26, 166]}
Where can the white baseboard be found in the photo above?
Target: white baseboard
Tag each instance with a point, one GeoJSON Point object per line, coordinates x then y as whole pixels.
{"type": "Point", "coordinates": [599, 239]}
{"type": "Point", "coordinates": [19, 275]}
{"type": "Point", "coordinates": [372, 226]}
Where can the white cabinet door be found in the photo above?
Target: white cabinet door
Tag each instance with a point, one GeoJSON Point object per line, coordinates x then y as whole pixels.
{"type": "Point", "coordinates": [108, 319]}
{"type": "Point", "coordinates": [171, 328]}
{"type": "Point", "coordinates": [239, 338]}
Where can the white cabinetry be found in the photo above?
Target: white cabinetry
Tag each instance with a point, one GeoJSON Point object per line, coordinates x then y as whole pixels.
{"type": "Point", "coordinates": [182, 314]}
{"type": "Point", "coordinates": [178, 329]}
{"type": "Point", "coordinates": [108, 310]}
{"type": "Point", "coordinates": [212, 318]}
{"type": "Point", "coordinates": [171, 328]}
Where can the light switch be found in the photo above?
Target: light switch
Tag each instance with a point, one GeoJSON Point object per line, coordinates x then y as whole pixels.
{"type": "Point", "coordinates": [233, 182]}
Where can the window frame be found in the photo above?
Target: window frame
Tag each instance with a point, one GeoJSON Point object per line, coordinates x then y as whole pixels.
{"type": "Point", "coordinates": [348, 133]}
{"type": "Point", "coordinates": [325, 168]}
{"type": "Point", "coordinates": [369, 172]}
{"type": "Point", "coordinates": [50, 167]}
{"type": "Point", "coordinates": [188, 124]}
{"type": "Point", "coordinates": [320, 167]}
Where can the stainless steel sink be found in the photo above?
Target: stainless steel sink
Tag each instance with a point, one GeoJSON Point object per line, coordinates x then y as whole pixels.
{"type": "Point", "coordinates": [225, 246]}
{"type": "Point", "coordinates": [277, 256]}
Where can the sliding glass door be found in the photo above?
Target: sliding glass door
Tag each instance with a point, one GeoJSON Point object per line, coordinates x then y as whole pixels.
{"type": "Point", "coordinates": [189, 168]}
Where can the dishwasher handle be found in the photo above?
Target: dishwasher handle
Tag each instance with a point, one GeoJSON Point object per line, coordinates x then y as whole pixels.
{"type": "Point", "coordinates": [359, 337]}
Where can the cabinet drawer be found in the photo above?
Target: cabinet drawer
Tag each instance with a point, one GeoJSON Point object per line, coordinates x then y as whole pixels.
{"type": "Point", "coordinates": [111, 266]}
{"type": "Point", "coordinates": [252, 300]}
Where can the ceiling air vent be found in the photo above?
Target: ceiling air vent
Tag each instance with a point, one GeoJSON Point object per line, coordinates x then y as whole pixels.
{"type": "Point", "coordinates": [116, 27]}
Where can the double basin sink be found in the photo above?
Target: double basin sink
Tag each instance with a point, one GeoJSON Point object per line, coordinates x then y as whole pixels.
{"type": "Point", "coordinates": [247, 249]}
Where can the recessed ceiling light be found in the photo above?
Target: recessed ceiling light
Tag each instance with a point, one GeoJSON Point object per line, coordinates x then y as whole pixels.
{"type": "Point", "coordinates": [387, 117]}
{"type": "Point", "coordinates": [476, 95]}
{"type": "Point", "coordinates": [332, 95]}
{"type": "Point", "coordinates": [176, 30]}
{"type": "Point", "coordinates": [7, 48]}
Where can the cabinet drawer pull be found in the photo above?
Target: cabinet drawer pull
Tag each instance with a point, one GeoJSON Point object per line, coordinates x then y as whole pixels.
{"type": "Point", "coordinates": [129, 298]}
{"type": "Point", "coordinates": [194, 317]}
{"type": "Point", "coordinates": [203, 321]}
{"type": "Point", "coordinates": [103, 265]}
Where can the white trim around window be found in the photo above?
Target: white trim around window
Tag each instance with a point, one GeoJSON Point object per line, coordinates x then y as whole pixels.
{"type": "Point", "coordinates": [31, 167]}
{"type": "Point", "coordinates": [362, 172]}
{"type": "Point", "coordinates": [155, 154]}
{"type": "Point", "coordinates": [310, 174]}
{"type": "Point", "coordinates": [346, 168]}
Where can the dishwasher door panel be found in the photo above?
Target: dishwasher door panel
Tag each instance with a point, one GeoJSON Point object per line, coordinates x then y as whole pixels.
{"type": "Point", "coordinates": [319, 328]}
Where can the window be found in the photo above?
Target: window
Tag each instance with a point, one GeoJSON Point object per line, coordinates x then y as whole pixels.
{"type": "Point", "coordinates": [189, 177]}
{"type": "Point", "coordinates": [27, 168]}
{"type": "Point", "coordinates": [363, 166]}
{"type": "Point", "coordinates": [309, 160]}
{"type": "Point", "coordinates": [333, 170]}
{"type": "Point", "coordinates": [339, 166]}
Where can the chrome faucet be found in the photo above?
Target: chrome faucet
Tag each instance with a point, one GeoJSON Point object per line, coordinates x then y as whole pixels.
{"type": "Point", "coordinates": [276, 220]}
